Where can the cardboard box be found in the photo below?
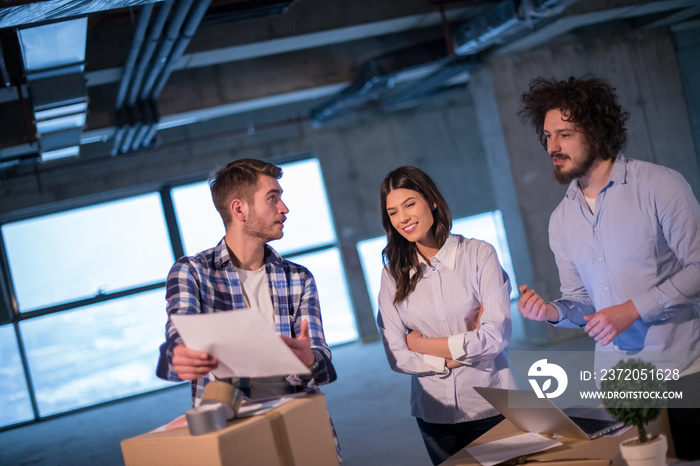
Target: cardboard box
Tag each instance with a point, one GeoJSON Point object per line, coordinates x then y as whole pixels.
{"type": "Point", "coordinates": [298, 433]}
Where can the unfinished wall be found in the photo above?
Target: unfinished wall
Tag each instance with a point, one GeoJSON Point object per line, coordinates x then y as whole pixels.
{"type": "Point", "coordinates": [355, 152]}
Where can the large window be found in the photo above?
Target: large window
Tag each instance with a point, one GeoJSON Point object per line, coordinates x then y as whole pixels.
{"type": "Point", "coordinates": [86, 280]}
{"type": "Point", "coordinates": [82, 253]}
{"type": "Point", "coordinates": [487, 227]}
{"type": "Point", "coordinates": [89, 290]}
{"type": "Point", "coordinates": [95, 353]}
{"type": "Point", "coordinates": [15, 404]}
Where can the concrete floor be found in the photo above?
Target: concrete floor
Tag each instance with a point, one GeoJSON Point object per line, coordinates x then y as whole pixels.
{"type": "Point", "coordinates": [369, 405]}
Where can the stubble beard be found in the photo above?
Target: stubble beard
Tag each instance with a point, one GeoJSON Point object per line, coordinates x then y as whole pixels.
{"type": "Point", "coordinates": [255, 227]}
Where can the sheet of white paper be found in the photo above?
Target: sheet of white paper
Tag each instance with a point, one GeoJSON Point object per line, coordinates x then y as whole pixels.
{"type": "Point", "coordinates": [242, 340]}
{"type": "Point", "coordinates": [502, 450]}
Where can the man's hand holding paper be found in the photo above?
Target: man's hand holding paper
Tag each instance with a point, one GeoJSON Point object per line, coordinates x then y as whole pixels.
{"type": "Point", "coordinates": [239, 343]}
{"type": "Point", "coordinates": [191, 364]}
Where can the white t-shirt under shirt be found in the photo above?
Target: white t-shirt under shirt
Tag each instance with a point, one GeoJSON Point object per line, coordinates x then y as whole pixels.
{"type": "Point", "coordinates": [591, 203]}
{"type": "Point", "coordinates": [256, 291]}
{"type": "Point", "coordinates": [256, 295]}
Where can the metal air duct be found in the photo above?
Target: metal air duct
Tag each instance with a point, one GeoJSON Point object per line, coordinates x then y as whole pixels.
{"type": "Point", "coordinates": [376, 78]}
{"type": "Point", "coordinates": [503, 21]}
{"type": "Point", "coordinates": [53, 56]}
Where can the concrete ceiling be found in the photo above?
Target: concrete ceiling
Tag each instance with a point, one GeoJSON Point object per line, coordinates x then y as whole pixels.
{"type": "Point", "coordinates": [289, 62]}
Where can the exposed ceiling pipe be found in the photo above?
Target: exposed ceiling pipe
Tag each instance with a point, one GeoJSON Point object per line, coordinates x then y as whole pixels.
{"type": "Point", "coordinates": [294, 121]}
{"type": "Point", "coordinates": [166, 46]}
{"type": "Point", "coordinates": [136, 44]}
{"type": "Point", "coordinates": [188, 30]}
{"type": "Point", "coordinates": [183, 41]}
{"type": "Point", "coordinates": [501, 23]}
{"type": "Point", "coordinates": [154, 34]}
{"type": "Point", "coordinates": [130, 129]}
{"type": "Point", "coordinates": [432, 83]}
{"type": "Point", "coordinates": [153, 71]}
{"type": "Point", "coordinates": [151, 117]}
{"type": "Point", "coordinates": [369, 86]}
{"type": "Point", "coordinates": [126, 118]}
{"type": "Point", "coordinates": [137, 109]}
{"type": "Point", "coordinates": [143, 120]}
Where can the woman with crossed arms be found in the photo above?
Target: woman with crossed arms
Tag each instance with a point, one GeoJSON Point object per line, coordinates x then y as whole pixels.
{"type": "Point", "coordinates": [444, 314]}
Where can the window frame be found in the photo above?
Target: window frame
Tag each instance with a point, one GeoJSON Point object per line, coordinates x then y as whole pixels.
{"type": "Point", "coordinates": [11, 315]}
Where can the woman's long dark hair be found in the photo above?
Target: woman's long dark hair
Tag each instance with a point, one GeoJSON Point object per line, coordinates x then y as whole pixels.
{"type": "Point", "coordinates": [400, 254]}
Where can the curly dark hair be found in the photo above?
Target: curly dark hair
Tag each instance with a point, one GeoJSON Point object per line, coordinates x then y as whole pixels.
{"type": "Point", "coordinates": [400, 254]}
{"type": "Point", "coordinates": [589, 102]}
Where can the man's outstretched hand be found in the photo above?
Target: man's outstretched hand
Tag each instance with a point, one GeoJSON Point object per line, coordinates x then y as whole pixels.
{"type": "Point", "coordinates": [533, 307]}
{"type": "Point", "coordinates": [301, 345]}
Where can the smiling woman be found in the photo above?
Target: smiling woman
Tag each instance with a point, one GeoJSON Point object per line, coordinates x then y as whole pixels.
{"type": "Point", "coordinates": [444, 313]}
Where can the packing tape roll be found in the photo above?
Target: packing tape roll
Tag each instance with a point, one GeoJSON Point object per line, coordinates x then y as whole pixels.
{"type": "Point", "coordinates": [220, 392]}
{"type": "Point", "coordinates": [207, 418]}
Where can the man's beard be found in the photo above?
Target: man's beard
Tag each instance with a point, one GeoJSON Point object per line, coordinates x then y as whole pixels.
{"type": "Point", "coordinates": [576, 171]}
{"type": "Point", "coordinates": [257, 228]}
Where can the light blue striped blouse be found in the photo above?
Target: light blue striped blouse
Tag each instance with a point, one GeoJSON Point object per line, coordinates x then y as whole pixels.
{"type": "Point", "coordinates": [445, 303]}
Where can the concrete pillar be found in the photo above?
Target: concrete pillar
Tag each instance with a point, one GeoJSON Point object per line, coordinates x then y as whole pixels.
{"type": "Point", "coordinates": [501, 177]}
{"type": "Point", "coordinates": [688, 46]}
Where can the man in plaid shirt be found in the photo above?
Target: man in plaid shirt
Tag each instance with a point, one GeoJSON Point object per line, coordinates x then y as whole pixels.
{"type": "Point", "coordinates": [243, 271]}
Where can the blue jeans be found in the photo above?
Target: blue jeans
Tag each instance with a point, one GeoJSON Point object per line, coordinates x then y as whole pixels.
{"type": "Point", "coordinates": [444, 440]}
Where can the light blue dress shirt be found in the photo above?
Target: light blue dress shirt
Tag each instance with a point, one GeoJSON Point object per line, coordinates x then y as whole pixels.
{"type": "Point", "coordinates": [641, 243]}
{"type": "Point", "coordinates": [445, 303]}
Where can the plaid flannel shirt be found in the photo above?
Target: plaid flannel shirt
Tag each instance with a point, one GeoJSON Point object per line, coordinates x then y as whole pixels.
{"type": "Point", "coordinates": [207, 283]}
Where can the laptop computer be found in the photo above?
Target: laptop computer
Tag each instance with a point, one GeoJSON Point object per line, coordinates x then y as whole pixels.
{"type": "Point", "coordinates": [542, 416]}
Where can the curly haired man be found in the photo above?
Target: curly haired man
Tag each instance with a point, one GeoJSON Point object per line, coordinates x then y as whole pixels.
{"type": "Point", "coordinates": [626, 239]}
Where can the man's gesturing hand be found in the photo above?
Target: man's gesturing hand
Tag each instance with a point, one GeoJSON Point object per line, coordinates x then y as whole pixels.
{"type": "Point", "coordinates": [605, 325]}
{"type": "Point", "coordinates": [301, 345]}
{"type": "Point", "coordinates": [191, 364]}
{"type": "Point", "coordinates": [532, 306]}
